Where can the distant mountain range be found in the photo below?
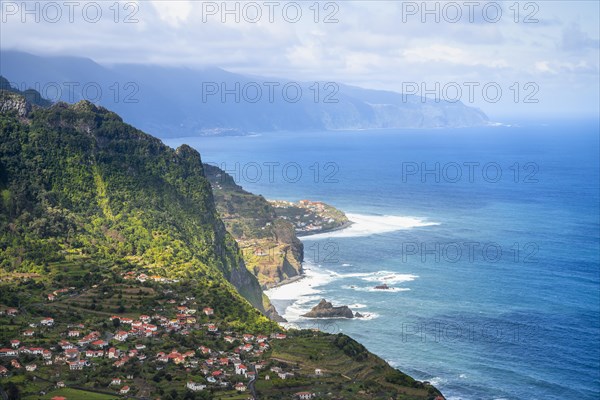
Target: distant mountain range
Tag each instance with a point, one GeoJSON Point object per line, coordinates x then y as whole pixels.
{"type": "Point", "coordinates": [175, 101]}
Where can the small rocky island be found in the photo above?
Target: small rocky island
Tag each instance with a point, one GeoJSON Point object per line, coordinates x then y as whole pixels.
{"type": "Point", "coordinates": [326, 310]}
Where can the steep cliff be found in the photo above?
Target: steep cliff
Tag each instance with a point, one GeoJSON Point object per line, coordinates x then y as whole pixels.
{"type": "Point", "coordinates": [271, 250]}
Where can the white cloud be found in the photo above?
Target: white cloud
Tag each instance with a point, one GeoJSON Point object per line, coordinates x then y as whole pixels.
{"type": "Point", "coordinates": [173, 12]}
{"type": "Point", "coordinates": [452, 55]}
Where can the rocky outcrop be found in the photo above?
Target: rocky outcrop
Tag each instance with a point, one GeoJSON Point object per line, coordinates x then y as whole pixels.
{"type": "Point", "coordinates": [11, 102]}
{"type": "Point", "coordinates": [326, 310]}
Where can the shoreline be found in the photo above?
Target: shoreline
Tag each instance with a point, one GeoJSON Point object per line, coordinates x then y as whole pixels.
{"type": "Point", "coordinates": [345, 225]}
{"type": "Point", "coordinates": [302, 275]}
{"type": "Point", "coordinates": [286, 281]}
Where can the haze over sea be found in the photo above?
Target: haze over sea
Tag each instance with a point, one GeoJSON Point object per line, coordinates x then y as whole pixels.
{"type": "Point", "coordinates": [495, 278]}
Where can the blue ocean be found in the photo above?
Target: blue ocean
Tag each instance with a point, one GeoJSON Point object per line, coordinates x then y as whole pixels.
{"type": "Point", "coordinates": [487, 240]}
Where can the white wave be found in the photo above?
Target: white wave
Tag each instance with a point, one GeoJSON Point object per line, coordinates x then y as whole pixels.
{"type": "Point", "coordinates": [346, 265]}
{"type": "Point", "coordinates": [367, 225]}
{"type": "Point", "coordinates": [306, 286]}
{"type": "Point", "coordinates": [357, 305]}
{"type": "Point", "coordinates": [367, 316]}
{"type": "Point", "coordinates": [379, 276]}
{"type": "Point", "coordinates": [372, 289]}
{"type": "Point", "coordinates": [436, 381]}
{"type": "Point", "coordinates": [389, 277]}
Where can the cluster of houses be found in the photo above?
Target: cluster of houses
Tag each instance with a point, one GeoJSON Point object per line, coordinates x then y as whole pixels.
{"type": "Point", "coordinates": [312, 221]}
{"type": "Point", "coordinates": [81, 348]}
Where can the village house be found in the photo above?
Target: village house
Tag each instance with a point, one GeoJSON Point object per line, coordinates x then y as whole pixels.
{"type": "Point", "coordinates": [65, 345]}
{"type": "Point", "coordinates": [121, 362]}
{"type": "Point", "coordinates": [28, 333]}
{"type": "Point", "coordinates": [47, 321]}
{"type": "Point", "coordinates": [208, 311]}
{"type": "Point", "coordinates": [115, 381]}
{"type": "Point", "coordinates": [304, 395]}
{"type": "Point", "coordinates": [36, 351]}
{"type": "Point", "coordinates": [76, 365]}
{"type": "Point", "coordinates": [241, 369]}
{"type": "Point", "coordinates": [15, 343]}
{"type": "Point", "coordinates": [113, 353]}
{"type": "Point", "coordinates": [124, 390]}
{"type": "Point", "coordinates": [99, 343]}
{"type": "Point", "coordinates": [31, 367]}
{"type": "Point", "coordinates": [3, 370]}
{"type": "Point", "coordinates": [229, 339]}
{"type": "Point", "coordinates": [240, 387]}
{"type": "Point", "coordinates": [6, 352]}
{"type": "Point", "coordinates": [193, 386]}
{"type": "Point", "coordinates": [121, 336]}
{"type": "Point", "coordinates": [72, 353]}
{"type": "Point", "coordinates": [73, 334]}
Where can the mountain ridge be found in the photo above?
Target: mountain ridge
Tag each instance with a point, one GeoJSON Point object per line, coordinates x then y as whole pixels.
{"type": "Point", "coordinates": [212, 101]}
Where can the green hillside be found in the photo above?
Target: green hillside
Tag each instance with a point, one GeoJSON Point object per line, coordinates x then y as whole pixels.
{"type": "Point", "coordinates": [76, 180]}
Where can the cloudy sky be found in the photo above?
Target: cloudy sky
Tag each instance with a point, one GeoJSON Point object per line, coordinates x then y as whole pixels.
{"type": "Point", "coordinates": [542, 55]}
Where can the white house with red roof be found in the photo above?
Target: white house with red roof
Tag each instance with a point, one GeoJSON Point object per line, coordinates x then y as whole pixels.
{"type": "Point", "coordinates": [240, 387]}
{"type": "Point", "coordinates": [121, 336]}
{"type": "Point", "coordinates": [99, 343]}
{"type": "Point", "coordinates": [76, 365]}
{"type": "Point", "coordinates": [113, 353]}
{"type": "Point", "coordinates": [241, 369]}
{"type": "Point", "coordinates": [6, 352]}
{"type": "Point", "coordinates": [72, 353]}
{"type": "Point", "coordinates": [145, 318]}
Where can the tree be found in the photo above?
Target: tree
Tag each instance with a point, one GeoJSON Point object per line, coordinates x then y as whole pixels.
{"type": "Point", "coordinates": [13, 391]}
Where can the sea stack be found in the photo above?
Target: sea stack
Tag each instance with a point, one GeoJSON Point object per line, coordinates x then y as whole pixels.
{"type": "Point", "coordinates": [326, 310]}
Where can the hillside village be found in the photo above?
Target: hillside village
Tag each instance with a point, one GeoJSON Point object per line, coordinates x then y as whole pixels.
{"type": "Point", "coordinates": [180, 349]}
{"type": "Point", "coordinates": [50, 347]}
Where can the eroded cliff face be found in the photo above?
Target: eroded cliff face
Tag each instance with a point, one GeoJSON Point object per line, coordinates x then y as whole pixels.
{"type": "Point", "coordinates": [271, 250]}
